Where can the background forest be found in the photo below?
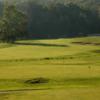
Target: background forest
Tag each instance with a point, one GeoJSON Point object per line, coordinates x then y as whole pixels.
{"type": "Point", "coordinates": [50, 18]}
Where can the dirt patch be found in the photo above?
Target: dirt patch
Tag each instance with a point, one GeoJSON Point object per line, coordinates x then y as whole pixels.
{"type": "Point", "coordinates": [39, 80]}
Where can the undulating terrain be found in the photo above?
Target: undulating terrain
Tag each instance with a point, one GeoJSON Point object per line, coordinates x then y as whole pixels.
{"type": "Point", "coordinates": [50, 69]}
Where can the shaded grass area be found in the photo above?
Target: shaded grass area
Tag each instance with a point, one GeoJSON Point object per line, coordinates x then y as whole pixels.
{"type": "Point", "coordinates": [96, 51]}
{"type": "Point", "coordinates": [89, 39]}
{"type": "Point", "coordinates": [41, 44]}
{"type": "Point", "coordinates": [87, 43]}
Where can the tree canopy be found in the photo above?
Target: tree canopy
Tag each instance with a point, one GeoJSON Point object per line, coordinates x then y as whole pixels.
{"type": "Point", "coordinates": [13, 24]}
{"type": "Point", "coordinates": [54, 19]}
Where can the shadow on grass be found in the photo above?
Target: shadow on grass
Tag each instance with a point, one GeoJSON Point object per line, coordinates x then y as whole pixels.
{"type": "Point", "coordinates": [86, 43]}
{"type": "Point", "coordinates": [21, 90]}
{"type": "Point", "coordinates": [96, 51]}
{"type": "Point", "coordinates": [42, 44]}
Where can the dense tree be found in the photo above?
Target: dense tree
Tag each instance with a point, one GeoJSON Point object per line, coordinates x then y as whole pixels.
{"type": "Point", "coordinates": [52, 19]}
{"type": "Point", "coordinates": [13, 24]}
{"type": "Point", "coordinates": [62, 20]}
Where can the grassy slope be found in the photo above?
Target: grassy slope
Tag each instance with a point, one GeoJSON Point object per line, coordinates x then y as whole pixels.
{"type": "Point", "coordinates": [72, 69]}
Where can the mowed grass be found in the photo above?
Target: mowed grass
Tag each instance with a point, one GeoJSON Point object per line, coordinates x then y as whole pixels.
{"type": "Point", "coordinates": [72, 70]}
{"type": "Point", "coordinates": [43, 48]}
{"type": "Point", "coordinates": [56, 94]}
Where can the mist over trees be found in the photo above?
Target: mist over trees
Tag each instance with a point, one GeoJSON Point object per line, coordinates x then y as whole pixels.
{"type": "Point", "coordinates": [51, 20]}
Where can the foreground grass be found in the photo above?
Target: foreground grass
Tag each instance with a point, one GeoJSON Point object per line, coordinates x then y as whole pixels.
{"type": "Point", "coordinates": [72, 70]}
{"type": "Point", "coordinates": [56, 94]}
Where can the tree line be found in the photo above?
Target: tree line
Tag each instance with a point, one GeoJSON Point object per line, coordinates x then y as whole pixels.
{"type": "Point", "coordinates": [13, 24]}
{"type": "Point", "coordinates": [51, 21]}
{"type": "Point", "coordinates": [62, 20]}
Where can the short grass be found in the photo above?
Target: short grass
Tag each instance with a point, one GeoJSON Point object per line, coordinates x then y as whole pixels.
{"type": "Point", "coordinates": [56, 94]}
{"type": "Point", "coordinates": [72, 70]}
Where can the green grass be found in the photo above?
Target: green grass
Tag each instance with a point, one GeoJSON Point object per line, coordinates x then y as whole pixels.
{"type": "Point", "coordinates": [56, 94]}
{"type": "Point", "coordinates": [72, 70]}
{"type": "Point", "coordinates": [92, 39]}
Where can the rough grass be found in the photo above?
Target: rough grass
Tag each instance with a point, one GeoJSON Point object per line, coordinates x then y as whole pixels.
{"type": "Point", "coordinates": [62, 70]}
